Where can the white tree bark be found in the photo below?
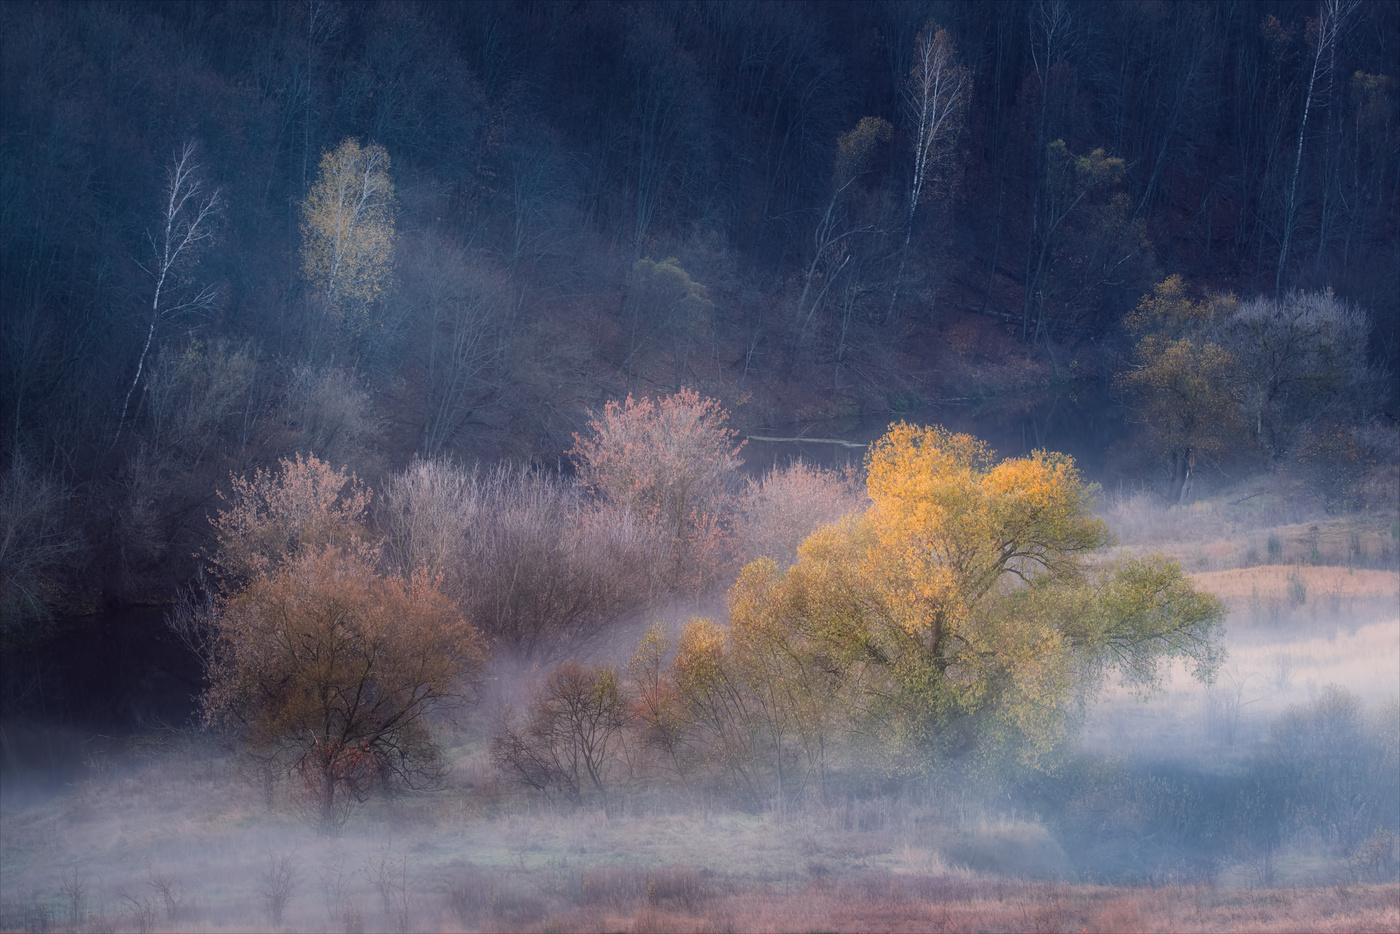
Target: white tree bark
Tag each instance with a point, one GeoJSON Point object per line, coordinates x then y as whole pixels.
{"type": "Point", "coordinates": [187, 220]}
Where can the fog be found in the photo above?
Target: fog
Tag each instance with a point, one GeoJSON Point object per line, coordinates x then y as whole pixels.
{"type": "Point", "coordinates": [154, 824]}
{"type": "Point", "coordinates": [737, 465]}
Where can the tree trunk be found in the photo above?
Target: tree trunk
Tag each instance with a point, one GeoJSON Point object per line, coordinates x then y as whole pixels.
{"type": "Point", "coordinates": [1184, 466]}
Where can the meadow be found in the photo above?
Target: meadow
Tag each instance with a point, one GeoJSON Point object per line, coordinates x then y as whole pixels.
{"type": "Point", "coordinates": [148, 851]}
{"type": "Point", "coordinates": [174, 832]}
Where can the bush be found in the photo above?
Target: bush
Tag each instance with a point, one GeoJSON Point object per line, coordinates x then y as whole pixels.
{"type": "Point", "coordinates": [539, 569]}
{"type": "Point", "coordinates": [672, 465]}
{"type": "Point", "coordinates": [573, 736]}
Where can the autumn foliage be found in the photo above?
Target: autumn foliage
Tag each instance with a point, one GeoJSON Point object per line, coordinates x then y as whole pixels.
{"type": "Point", "coordinates": [956, 620]}
{"type": "Point", "coordinates": [327, 668]}
{"type": "Point", "coordinates": [347, 226]}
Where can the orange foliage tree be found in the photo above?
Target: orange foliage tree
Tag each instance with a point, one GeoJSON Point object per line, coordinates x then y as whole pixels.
{"type": "Point", "coordinates": [326, 668]}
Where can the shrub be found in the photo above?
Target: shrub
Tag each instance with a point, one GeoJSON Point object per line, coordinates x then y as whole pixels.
{"type": "Point", "coordinates": [671, 464]}
{"type": "Point", "coordinates": [329, 671]}
{"type": "Point", "coordinates": [540, 570]}
{"type": "Point", "coordinates": [573, 735]}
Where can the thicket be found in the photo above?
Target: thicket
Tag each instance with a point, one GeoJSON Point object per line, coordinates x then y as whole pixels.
{"type": "Point", "coordinates": [1280, 383]}
{"type": "Point", "coordinates": [953, 619]}
{"type": "Point", "coordinates": [950, 624]}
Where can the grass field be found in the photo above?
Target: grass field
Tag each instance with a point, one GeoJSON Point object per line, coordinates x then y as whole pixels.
{"type": "Point", "coordinates": [183, 844]}
{"type": "Point", "coordinates": [169, 834]}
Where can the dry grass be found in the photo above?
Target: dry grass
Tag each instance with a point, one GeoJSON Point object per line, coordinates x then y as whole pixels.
{"type": "Point", "coordinates": [1281, 597]}
{"type": "Point", "coordinates": [196, 825]}
{"type": "Point", "coordinates": [932, 903]}
{"type": "Point", "coordinates": [1273, 580]}
{"type": "Point", "coordinates": [1240, 530]}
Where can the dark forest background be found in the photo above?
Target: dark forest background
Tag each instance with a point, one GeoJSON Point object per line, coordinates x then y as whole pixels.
{"type": "Point", "coordinates": [541, 150]}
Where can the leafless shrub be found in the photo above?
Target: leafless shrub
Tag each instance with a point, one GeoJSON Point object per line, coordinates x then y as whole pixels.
{"type": "Point", "coordinates": [198, 395]}
{"type": "Point", "coordinates": [1373, 860]}
{"type": "Point", "coordinates": [683, 886]}
{"type": "Point", "coordinates": [33, 538]}
{"type": "Point", "coordinates": [613, 885]}
{"type": "Point", "coordinates": [573, 736]}
{"type": "Point", "coordinates": [74, 890]}
{"type": "Point", "coordinates": [779, 511]}
{"type": "Point", "coordinates": [31, 917]}
{"type": "Point", "coordinates": [330, 414]}
{"type": "Point", "coordinates": [277, 883]}
{"type": "Point", "coordinates": [194, 621]}
{"type": "Point", "coordinates": [335, 883]}
{"type": "Point", "coordinates": [168, 889]}
{"type": "Point", "coordinates": [390, 875]}
{"type": "Point", "coordinates": [141, 909]}
{"type": "Point", "coordinates": [542, 572]}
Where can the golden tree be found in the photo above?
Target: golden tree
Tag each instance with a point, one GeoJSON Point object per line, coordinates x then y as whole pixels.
{"type": "Point", "coordinates": [1183, 380]}
{"type": "Point", "coordinates": [967, 608]}
{"type": "Point", "coordinates": [347, 227]}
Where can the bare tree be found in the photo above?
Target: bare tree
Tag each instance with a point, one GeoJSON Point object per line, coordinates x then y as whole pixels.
{"type": "Point", "coordinates": [186, 222]}
{"type": "Point", "coordinates": [672, 466]}
{"type": "Point", "coordinates": [34, 538]}
{"type": "Point", "coordinates": [935, 97]}
{"type": "Point", "coordinates": [573, 736]}
{"type": "Point", "coordinates": [460, 304]}
{"type": "Point", "coordinates": [1299, 359]}
{"type": "Point", "coordinates": [1051, 28]}
{"type": "Point", "coordinates": [834, 230]}
{"type": "Point", "coordinates": [540, 569]}
{"type": "Point", "coordinates": [277, 883]}
{"type": "Point", "coordinates": [779, 511]}
{"type": "Point", "coordinates": [1331, 21]}
{"type": "Point", "coordinates": [274, 516]}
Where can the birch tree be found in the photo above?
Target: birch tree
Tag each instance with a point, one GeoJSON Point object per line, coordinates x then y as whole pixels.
{"type": "Point", "coordinates": [935, 98]}
{"type": "Point", "coordinates": [1326, 30]}
{"type": "Point", "coordinates": [347, 228]}
{"type": "Point", "coordinates": [187, 221]}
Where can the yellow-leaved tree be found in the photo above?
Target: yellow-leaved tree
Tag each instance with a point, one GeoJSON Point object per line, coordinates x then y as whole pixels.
{"type": "Point", "coordinates": [1184, 381]}
{"type": "Point", "coordinates": [967, 610]}
{"type": "Point", "coordinates": [347, 228]}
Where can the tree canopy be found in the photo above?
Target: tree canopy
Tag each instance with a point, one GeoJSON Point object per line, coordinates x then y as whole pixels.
{"type": "Point", "coordinates": [969, 608]}
{"type": "Point", "coordinates": [347, 227]}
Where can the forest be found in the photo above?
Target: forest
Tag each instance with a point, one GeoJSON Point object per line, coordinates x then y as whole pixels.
{"type": "Point", "coordinates": [453, 453]}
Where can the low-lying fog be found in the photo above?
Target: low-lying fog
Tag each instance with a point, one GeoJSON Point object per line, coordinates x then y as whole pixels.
{"type": "Point", "coordinates": [1275, 661]}
{"type": "Point", "coordinates": [169, 831]}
